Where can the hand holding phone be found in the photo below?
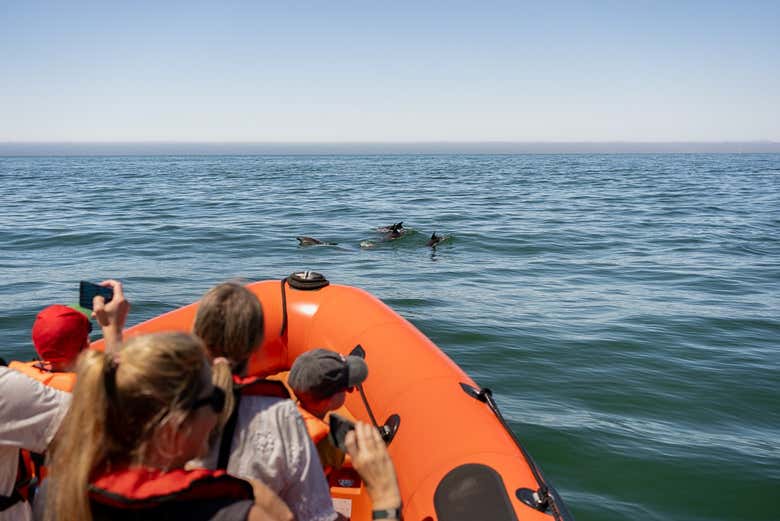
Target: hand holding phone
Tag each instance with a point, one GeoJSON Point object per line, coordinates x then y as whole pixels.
{"type": "Point", "coordinates": [339, 427]}
{"type": "Point", "coordinates": [110, 311]}
{"type": "Point", "coordinates": [371, 460]}
{"type": "Point", "coordinates": [88, 291]}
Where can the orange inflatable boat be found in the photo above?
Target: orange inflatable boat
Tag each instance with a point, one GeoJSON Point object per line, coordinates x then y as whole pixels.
{"type": "Point", "coordinates": [455, 457]}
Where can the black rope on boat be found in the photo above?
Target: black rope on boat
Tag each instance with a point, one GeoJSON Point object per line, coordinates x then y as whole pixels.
{"type": "Point", "coordinates": [284, 308]}
{"type": "Point", "coordinates": [546, 497]}
{"type": "Point", "coordinates": [360, 352]}
{"type": "Point", "coordinates": [388, 430]}
{"type": "Point", "coordinates": [368, 407]}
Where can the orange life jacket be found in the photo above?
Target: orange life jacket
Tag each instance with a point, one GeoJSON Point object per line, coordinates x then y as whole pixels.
{"type": "Point", "coordinates": [42, 372]}
{"type": "Point", "coordinates": [331, 457]}
{"type": "Point", "coordinates": [317, 428]}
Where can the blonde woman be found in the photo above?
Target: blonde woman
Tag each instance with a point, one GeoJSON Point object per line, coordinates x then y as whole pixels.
{"type": "Point", "coordinates": [136, 418]}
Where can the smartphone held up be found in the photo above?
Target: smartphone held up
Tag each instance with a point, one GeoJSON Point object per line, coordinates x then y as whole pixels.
{"type": "Point", "coordinates": [88, 291]}
{"type": "Point", "coordinates": [339, 427]}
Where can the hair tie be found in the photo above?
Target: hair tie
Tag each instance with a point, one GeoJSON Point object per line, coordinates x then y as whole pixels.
{"type": "Point", "coordinates": [239, 368]}
{"type": "Point", "coordinates": [109, 373]}
{"type": "Point", "coordinates": [220, 360]}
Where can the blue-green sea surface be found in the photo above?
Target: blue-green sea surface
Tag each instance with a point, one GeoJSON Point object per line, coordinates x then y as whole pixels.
{"type": "Point", "coordinates": [624, 309]}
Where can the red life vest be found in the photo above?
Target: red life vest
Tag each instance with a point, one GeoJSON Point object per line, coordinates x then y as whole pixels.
{"type": "Point", "coordinates": [141, 488]}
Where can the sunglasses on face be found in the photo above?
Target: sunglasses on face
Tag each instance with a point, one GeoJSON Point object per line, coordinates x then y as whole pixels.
{"type": "Point", "coordinates": [216, 400]}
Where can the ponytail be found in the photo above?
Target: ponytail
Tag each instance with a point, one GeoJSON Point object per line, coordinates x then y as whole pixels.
{"type": "Point", "coordinates": [120, 404]}
{"type": "Point", "coordinates": [81, 442]}
{"type": "Point", "coordinates": [222, 377]}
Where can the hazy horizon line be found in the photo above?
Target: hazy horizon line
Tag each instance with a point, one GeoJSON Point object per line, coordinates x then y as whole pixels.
{"type": "Point", "coordinates": [40, 148]}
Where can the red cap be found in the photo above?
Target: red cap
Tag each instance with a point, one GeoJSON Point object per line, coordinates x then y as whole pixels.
{"type": "Point", "coordinates": [59, 333]}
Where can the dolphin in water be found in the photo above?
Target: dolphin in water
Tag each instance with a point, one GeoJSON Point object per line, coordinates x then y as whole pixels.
{"type": "Point", "coordinates": [396, 226]}
{"type": "Point", "coordinates": [311, 241]}
{"type": "Point", "coordinates": [434, 240]}
{"type": "Point", "coordinates": [395, 231]}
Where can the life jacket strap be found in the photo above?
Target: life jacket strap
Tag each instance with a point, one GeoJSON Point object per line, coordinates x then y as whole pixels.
{"type": "Point", "coordinates": [25, 483]}
{"type": "Point", "coordinates": [228, 430]}
{"type": "Point", "coordinates": [250, 386]}
{"type": "Point", "coordinates": [7, 502]}
{"type": "Point", "coordinates": [256, 386]}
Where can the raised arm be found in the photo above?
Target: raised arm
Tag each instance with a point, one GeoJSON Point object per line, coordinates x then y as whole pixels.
{"type": "Point", "coordinates": [111, 316]}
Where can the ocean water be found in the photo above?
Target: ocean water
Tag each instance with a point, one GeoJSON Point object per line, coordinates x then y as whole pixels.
{"type": "Point", "coordinates": [624, 309]}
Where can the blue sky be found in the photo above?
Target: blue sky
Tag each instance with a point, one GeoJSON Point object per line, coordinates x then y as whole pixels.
{"type": "Point", "coordinates": [390, 71]}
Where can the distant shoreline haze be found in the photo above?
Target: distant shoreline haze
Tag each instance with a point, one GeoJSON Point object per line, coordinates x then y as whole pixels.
{"type": "Point", "coordinates": [357, 148]}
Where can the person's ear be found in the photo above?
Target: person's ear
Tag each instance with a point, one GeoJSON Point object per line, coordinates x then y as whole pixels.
{"type": "Point", "coordinates": [170, 441]}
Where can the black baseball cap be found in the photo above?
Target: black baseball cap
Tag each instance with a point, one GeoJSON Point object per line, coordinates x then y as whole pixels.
{"type": "Point", "coordinates": [323, 373]}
